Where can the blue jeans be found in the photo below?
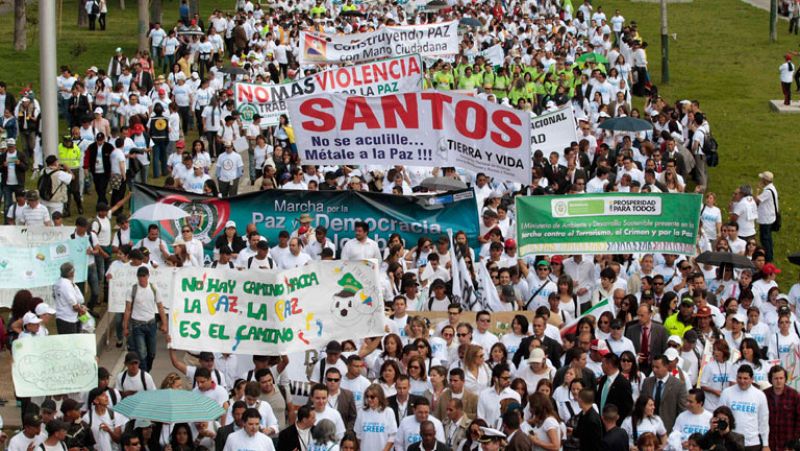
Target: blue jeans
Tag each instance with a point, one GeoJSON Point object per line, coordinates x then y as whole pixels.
{"type": "Point", "coordinates": [765, 235]}
{"type": "Point", "coordinates": [159, 162]}
{"type": "Point", "coordinates": [143, 342]}
{"type": "Point", "coordinates": [94, 285]}
{"type": "Point", "coordinates": [8, 197]}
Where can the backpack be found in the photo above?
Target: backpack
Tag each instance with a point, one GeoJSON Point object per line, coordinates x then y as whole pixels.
{"type": "Point", "coordinates": [133, 299]}
{"type": "Point", "coordinates": [710, 147]}
{"type": "Point", "coordinates": [269, 260]}
{"type": "Point", "coordinates": [141, 376]}
{"type": "Point", "coordinates": [45, 185]}
{"type": "Point", "coordinates": [95, 8]}
{"type": "Point", "coordinates": [91, 411]}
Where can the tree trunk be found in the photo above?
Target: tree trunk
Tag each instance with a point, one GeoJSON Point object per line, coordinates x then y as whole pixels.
{"type": "Point", "coordinates": [144, 9]}
{"type": "Point", "coordinates": [83, 17]}
{"type": "Point", "coordinates": [156, 11]}
{"type": "Point", "coordinates": [20, 23]}
{"type": "Point", "coordinates": [122, 5]}
{"type": "Point", "coordinates": [194, 8]}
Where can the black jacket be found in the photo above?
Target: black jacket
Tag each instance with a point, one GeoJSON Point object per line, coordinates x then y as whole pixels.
{"type": "Point", "coordinates": [288, 440]}
{"type": "Point", "coordinates": [91, 158]}
{"type": "Point", "coordinates": [614, 439]}
{"type": "Point", "coordinates": [589, 431]}
{"type": "Point", "coordinates": [19, 169]}
{"type": "Point", "coordinates": [392, 402]}
{"type": "Point", "coordinates": [551, 348]}
{"type": "Point", "coordinates": [620, 394]}
{"type": "Point", "coordinates": [418, 447]}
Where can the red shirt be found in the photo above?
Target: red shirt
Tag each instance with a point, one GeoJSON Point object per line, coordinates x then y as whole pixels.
{"type": "Point", "coordinates": [784, 416]}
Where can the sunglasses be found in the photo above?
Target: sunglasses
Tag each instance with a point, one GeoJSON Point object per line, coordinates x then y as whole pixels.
{"type": "Point", "coordinates": [462, 335]}
{"type": "Point", "coordinates": [626, 360]}
{"type": "Point", "coordinates": [372, 397]}
{"type": "Point", "coordinates": [332, 380]}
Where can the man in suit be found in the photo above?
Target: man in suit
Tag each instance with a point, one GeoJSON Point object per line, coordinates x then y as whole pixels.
{"type": "Point", "coordinates": [615, 438]}
{"type": "Point", "coordinates": [589, 430]}
{"type": "Point", "coordinates": [222, 433]}
{"type": "Point", "coordinates": [8, 100]}
{"type": "Point", "coordinates": [455, 423]}
{"type": "Point", "coordinates": [339, 398]}
{"type": "Point", "coordinates": [551, 347]}
{"type": "Point", "coordinates": [402, 404]}
{"type": "Point", "coordinates": [517, 440]}
{"type": "Point", "coordinates": [613, 388]}
{"type": "Point", "coordinates": [656, 343]}
{"type": "Point", "coordinates": [555, 172]}
{"type": "Point", "coordinates": [290, 438]}
{"type": "Point", "coordinates": [455, 390]}
{"type": "Point", "coordinates": [577, 358]}
{"type": "Point", "coordinates": [667, 390]}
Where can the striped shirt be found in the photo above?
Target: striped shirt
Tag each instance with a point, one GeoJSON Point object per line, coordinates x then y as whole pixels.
{"type": "Point", "coordinates": [37, 216]}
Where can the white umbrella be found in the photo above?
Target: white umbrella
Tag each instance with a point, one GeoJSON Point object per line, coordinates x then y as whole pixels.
{"type": "Point", "coordinates": [159, 212]}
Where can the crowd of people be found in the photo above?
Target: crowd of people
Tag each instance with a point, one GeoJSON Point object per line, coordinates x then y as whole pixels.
{"type": "Point", "coordinates": [687, 355]}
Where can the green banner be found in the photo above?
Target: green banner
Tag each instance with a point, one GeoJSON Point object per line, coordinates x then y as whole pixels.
{"type": "Point", "coordinates": [611, 223]}
{"type": "Point", "coordinates": [271, 211]}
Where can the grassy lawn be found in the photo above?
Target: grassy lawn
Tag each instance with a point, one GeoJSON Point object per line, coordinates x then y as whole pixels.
{"type": "Point", "coordinates": [722, 57]}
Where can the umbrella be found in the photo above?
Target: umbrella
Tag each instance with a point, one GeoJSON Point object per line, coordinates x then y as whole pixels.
{"type": "Point", "coordinates": [159, 212]}
{"type": "Point", "coordinates": [592, 57]}
{"type": "Point", "coordinates": [435, 5]}
{"type": "Point", "coordinates": [169, 406]}
{"type": "Point", "coordinates": [794, 258]}
{"type": "Point", "coordinates": [724, 258]}
{"type": "Point", "coordinates": [627, 124]}
{"type": "Point", "coordinates": [234, 70]}
{"type": "Point", "coordinates": [352, 12]}
{"type": "Point", "coordinates": [443, 184]}
{"type": "Point", "coordinates": [470, 22]}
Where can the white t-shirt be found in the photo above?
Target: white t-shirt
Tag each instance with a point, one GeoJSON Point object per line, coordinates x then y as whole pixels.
{"type": "Point", "coordinates": [688, 423]}
{"type": "Point", "coordinates": [290, 260]}
{"type": "Point", "coordinates": [20, 442]}
{"type": "Point", "coordinates": [332, 414]}
{"type": "Point", "coordinates": [548, 424]}
{"type": "Point", "coordinates": [145, 306]}
{"type": "Point", "coordinates": [711, 216]}
{"type": "Point", "coordinates": [374, 429]}
{"type": "Point", "coordinates": [651, 424]}
{"type": "Point", "coordinates": [241, 441]}
{"type": "Point", "coordinates": [408, 432]}
{"type": "Point", "coordinates": [134, 383]}
{"type": "Point", "coordinates": [229, 166]}
{"type": "Point", "coordinates": [103, 441]}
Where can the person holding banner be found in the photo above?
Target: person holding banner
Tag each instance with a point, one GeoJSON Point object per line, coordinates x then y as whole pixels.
{"type": "Point", "coordinates": [69, 302]}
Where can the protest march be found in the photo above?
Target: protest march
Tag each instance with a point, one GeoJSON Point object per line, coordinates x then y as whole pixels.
{"type": "Point", "coordinates": [344, 225]}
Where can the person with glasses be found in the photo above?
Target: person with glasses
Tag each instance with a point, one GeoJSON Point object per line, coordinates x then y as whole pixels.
{"type": "Point", "coordinates": [681, 321]}
{"type": "Point", "coordinates": [490, 398]}
{"type": "Point", "coordinates": [617, 342]}
{"type": "Point", "coordinates": [130, 442]}
{"type": "Point", "coordinates": [340, 399]}
{"type": "Point", "coordinates": [540, 286]}
{"type": "Point", "coordinates": [375, 424]}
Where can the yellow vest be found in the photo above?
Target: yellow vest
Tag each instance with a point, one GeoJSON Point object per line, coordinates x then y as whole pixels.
{"type": "Point", "coordinates": [71, 157]}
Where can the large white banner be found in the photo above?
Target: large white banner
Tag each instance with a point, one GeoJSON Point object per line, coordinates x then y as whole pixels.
{"type": "Point", "coordinates": [427, 40]}
{"type": "Point", "coordinates": [430, 128]}
{"type": "Point", "coordinates": [402, 74]}
{"type": "Point", "coordinates": [54, 365]}
{"type": "Point", "coordinates": [123, 277]}
{"type": "Point", "coordinates": [275, 312]}
{"type": "Point", "coordinates": [553, 132]}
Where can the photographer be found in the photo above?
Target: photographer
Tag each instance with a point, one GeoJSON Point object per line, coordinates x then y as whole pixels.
{"type": "Point", "coordinates": [721, 435]}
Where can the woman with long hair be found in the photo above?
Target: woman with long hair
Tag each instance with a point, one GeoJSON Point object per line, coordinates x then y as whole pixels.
{"type": "Point", "coordinates": [779, 343]}
{"type": "Point", "coordinates": [545, 422]}
{"type": "Point", "coordinates": [644, 420]}
{"type": "Point", "coordinates": [568, 300]}
{"type": "Point", "coordinates": [230, 238]}
{"type": "Point", "coordinates": [715, 374]}
{"type": "Point", "coordinates": [519, 330]}
{"type": "Point", "coordinates": [392, 350]}
{"type": "Point", "coordinates": [629, 369]}
{"type": "Point", "coordinates": [750, 355]}
{"type": "Point", "coordinates": [388, 373]}
{"type": "Point", "coordinates": [418, 376]}
{"type": "Point", "coordinates": [382, 425]}
{"type": "Point", "coordinates": [437, 377]}
{"type": "Point", "coordinates": [181, 439]}
{"type": "Point", "coordinates": [477, 374]}
{"type": "Point", "coordinates": [604, 325]}
{"type": "Point", "coordinates": [472, 441]}
{"type": "Point", "coordinates": [499, 355]}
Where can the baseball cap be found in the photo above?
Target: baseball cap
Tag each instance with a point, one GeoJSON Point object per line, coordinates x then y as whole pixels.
{"type": "Point", "coordinates": [767, 175]}
{"type": "Point", "coordinates": [333, 347]}
{"type": "Point", "coordinates": [44, 309]}
{"type": "Point", "coordinates": [11, 142]}
{"type": "Point", "coordinates": [671, 354]}
{"type": "Point", "coordinates": [510, 243]}
{"type": "Point", "coordinates": [557, 259]}
{"type": "Point", "coordinates": [675, 339]}
{"type": "Point", "coordinates": [739, 317]}
{"type": "Point", "coordinates": [770, 269]}
{"type": "Point", "coordinates": [206, 356]}
{"type": "Point", "coordinates": [131, 357]}
{"type": "Point", "coordinates": [599, 346]}
{"type": "Point", "coordinates": [703, 312]}
{"type": "Point", "coordinates": [230, 224]}
{"type": "Point", "coordinates": [687, 301]}
{"type": "Point", "coordinates": [30, 318]}
{"type": "Point", "coordinates": [537, 356]}
{"type": "Point", "coordinates": [31, 420]}
{"type": "Point", "coordinates": [98, 110]}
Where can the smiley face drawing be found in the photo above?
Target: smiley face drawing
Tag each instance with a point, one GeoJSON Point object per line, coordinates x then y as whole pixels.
{"type": "Point", "coordinates": [350, 305]}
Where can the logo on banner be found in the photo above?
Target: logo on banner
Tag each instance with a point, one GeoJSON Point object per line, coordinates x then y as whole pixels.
{"type": "Point", "coordinates": [316, 47]}
{"type": "Point", "coordinates": [247, 111]}
{"type": "Point", "coordinates": [206, 218]}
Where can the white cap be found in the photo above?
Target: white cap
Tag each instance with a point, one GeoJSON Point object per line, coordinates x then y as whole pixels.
{"type": "Point", "coordinates": [11, 142]}
{"type": "Point", "coordinates": [98, 110]}
{"type": "Point", "coordinates": [30, 318]}
{"type": "Point", "coordinates": [179, 242]}
{"type": "Point", "coordinates": [537, 356]}
{"type": "Point", "coordinates": [740, 317]}
{"type": "Point", "coordinates": [230, 224]}
{"type": "Point", "coordinates": [93, 69]}
{"type": "Point", "coordinates": [44, 309]}
{"type": "Point", "coordinates": [195, 75]}
{"type": "Point", "coordinates": [671, 354]}
{"type": "Point", "coordinates": [675, 339]}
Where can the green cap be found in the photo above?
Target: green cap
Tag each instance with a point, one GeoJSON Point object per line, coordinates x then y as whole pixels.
{"type": "Point", "coordinates": [349, 284]}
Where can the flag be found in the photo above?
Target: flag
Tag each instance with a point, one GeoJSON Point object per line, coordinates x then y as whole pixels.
{"type": "Point", "coordinates": [596, 310]}
{"type": "Point", "coordinates": [463, 289]}
{"type": "Point", "coordinates": [490, 298]}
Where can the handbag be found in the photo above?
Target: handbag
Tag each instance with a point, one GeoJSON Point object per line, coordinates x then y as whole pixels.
{"type": "Point", "coordinates": [776, 226]}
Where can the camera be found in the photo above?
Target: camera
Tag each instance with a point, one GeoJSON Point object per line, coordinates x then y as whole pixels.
{"type": "Point", "coordinates": [722, 425]}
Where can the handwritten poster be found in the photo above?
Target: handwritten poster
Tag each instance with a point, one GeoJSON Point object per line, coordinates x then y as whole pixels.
{"type": "Point", "coordinates": [123, 277]}
{"type": "Point", "coordinates": [54, 364]}
{"type": "Point", "coordinates": [275, 312]}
